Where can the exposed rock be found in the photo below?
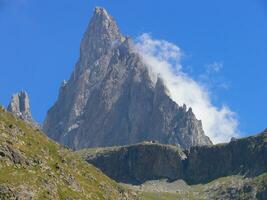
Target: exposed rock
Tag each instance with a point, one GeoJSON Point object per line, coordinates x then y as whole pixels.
{"type": "Point", "coordinates": [148, 161]}
{"type": "Point", "coordinates": [138, 163]}
{"type": "Point", "coordinates": [247, 156]}
{"type": "Point", "coordinates": [15, 193]}
{"type": "Point", "coordinates": [110, 98]}
{"type": "Point", "coordinates": [13, 155]}
{"type": "Point", "coordinates": [20, 106]}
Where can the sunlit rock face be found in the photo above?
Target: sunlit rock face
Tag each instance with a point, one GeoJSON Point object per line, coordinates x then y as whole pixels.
{"type": "Point", "coordinates": [20, 106]}
{"type": "Point", "coordinates": [110, 98]}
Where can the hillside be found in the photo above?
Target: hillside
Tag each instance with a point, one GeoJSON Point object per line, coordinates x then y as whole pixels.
{"type": "Point", "coordinates": [34, 167]}
{"type": "Point", "coordinates": [226, 188]}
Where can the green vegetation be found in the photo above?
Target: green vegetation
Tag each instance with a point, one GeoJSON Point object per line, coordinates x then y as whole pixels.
{"type": "Point", "coordinates": [231, 187]}
{"type": "Point", "coordinates": [33, 166]}
{"type": "Point", "coordinates": [159, 196]}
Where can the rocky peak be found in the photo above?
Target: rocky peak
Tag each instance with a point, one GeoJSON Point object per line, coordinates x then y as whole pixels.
{"type": "Point", "coordinates": [110, 98]}
{"type": "Point", "coordinates": [190, 112]}
{"type": "Point", "coordinates": [102, 33]}
{"type": "Point", "coordinates": [20, 106]}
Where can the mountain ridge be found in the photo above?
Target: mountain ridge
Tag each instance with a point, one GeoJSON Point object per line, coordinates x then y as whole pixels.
{"type": "Point", "coordinates": [201, 164]}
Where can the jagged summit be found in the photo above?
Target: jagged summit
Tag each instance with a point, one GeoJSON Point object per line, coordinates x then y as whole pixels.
{"type": "Point", "coordinates": [101, 12]}
{"type": "Point", "coordinates": [110, 98]}
{"type": "Point", "coordinates": [102, 33]}
{"type": "Point", "coordinates": [103, 23]}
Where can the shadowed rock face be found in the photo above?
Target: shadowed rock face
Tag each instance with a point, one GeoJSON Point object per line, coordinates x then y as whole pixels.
{"type": "Point", "coordinates": [111, 100]}
{"type": "Point", "coordinates": [246, 156]}
{"type": "Point", "coordinates": [142, 162]}
{"type": "Point", "coordinates": [137, 163]}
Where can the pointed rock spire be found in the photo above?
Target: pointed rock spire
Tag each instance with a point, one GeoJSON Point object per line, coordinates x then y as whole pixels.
{"type": "Point", "coordinates": [102, 33]}
{"type": "Point", "coordinates": [20, 106]}
{"type": "Point", "coordinates": [110, 98]}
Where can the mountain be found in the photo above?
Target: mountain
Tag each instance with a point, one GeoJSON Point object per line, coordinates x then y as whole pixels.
{"type": "Point", "coordinates": [34, 167]}
{"type": "Point", "coordinates": [110, 98]}
{"type": "Point", "coordinates": [236, 170]}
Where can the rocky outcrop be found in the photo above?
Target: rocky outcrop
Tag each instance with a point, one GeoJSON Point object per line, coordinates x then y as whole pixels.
{"type": "Point", "coordinates": [143, 162]}
{"type": "Point", "coordinates": [246, 156]}
{"type": "Point", "coordinates": [138, 163]}
{"type": "Point", "coordinates": [20, 106]}
{"type": "Point", "coordinates": [110, 98]}
{"type": "Point", "coordinates": [8, 192]}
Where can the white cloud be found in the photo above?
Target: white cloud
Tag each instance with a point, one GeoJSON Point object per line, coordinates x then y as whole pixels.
{"type": "Point", "coordinates": [214, 67]}
{"type": "Point", "coordinates": [163, 59]}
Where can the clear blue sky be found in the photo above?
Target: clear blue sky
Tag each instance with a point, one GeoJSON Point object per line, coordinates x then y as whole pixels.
{"type": "Point", "coordinates": [39, 45]}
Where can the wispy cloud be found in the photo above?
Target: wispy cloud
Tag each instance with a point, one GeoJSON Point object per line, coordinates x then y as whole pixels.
{"type": "Point", "coordinates": [164, 59]}
{"type": "Point", "coordinates": [212, 78]}
{"type": "Point", "coordinates": [214, 67]}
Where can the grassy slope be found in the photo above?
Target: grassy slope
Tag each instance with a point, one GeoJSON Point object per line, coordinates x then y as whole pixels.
{"type": "Point", "coordinates": [230, 187]}
{"type": "Point", "coordinates": [46, 170]}
{"type": "Point", "coordinates": [215, 189]}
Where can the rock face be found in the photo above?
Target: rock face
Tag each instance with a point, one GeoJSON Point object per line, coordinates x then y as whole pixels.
{"type": "Point", "coordinates": [143, 162]}
{"type": "Point", "coordinates": [246, 156]}
{"type": "Point", "coordinates": [137, 163]}
{"type": "Point", "coordinates": [20, 106]}
{"type": "Point", "coordinates": [111, 100]}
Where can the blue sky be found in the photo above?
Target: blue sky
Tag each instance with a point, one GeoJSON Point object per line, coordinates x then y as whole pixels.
{"type": "Point", "coordinates": [40, 46]}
